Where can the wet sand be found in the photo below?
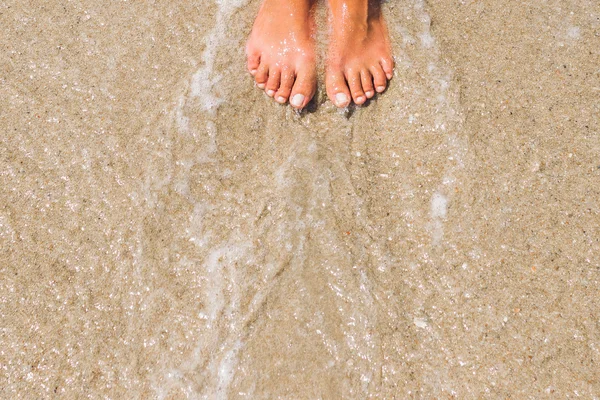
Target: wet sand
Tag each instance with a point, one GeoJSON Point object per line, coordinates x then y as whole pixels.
{"type": "Point", "coordinates": [168, 231]}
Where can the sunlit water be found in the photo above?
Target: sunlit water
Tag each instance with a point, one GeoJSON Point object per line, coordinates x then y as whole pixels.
{"type": "Point", "coordinates": [289, 220]}
{"type": "Point", "coordinates": [173, 233]}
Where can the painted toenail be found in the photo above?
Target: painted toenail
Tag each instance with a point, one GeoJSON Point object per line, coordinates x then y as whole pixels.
{"type": "Point", "coordinates": [260, 85]}
{"type": "Point", "coordinates": [281, 99]}
{"type": "Point", "coordinates": [341, 99]}
{"type": "Point", "coordinates": [369, 94]}
{"type": "Point", "coordinates": [297, 100]}
{"type": "Point", "coordinates": [270, 93]}
{"type": "Point", "coordinates": [380, 88]}
{"type": "Point", "coordinates": [360, 100]}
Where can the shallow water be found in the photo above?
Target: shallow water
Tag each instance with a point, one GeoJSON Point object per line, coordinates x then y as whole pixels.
{"type": "Point", "coordinates": [168, 231]}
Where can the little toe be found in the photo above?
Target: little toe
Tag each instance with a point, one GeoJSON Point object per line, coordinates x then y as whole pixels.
{"type": "Point", "coordinates": [379, 78]}
{"type": "Point", "coordinates": [304, 88]}
{"type": "Point", "coordinates": [273, 83]}
{"type": "Point", "coordinates": [261, 76]}
{"type": "Point", "coordinates": [366, 80]}
{"type": "Point", "coordinates": [358, 95]}
{"type": "Point", "coordinates": [388, 67]}
{"type": "Point", "coordinates": [337, 89]}
{"type": "Point", "coordinates": [285, 86]}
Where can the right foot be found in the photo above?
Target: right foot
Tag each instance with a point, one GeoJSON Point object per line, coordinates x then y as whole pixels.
{"type": "Point", "coordinates": [280, 51]}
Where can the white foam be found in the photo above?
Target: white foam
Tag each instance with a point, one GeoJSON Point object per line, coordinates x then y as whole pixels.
{"type": "Point", "coordinates": [437, 231]}
{"type": "Point", "coordinates": [6, 231]}
{"type": "Point", "coordinates": [439, 204]}
{"type": "Point", "coordinates": [195, 231]}
{"type": "Point", "coordinates": [221, 300]}
{"type": "Point", "coordinates": [226, 369]}
{"type": "Point", "coordinates": [445, 120]}
{"type": "Point", "coordinates": [427, 40]}
{"type": "Point", "coordinates": [180, 118]}
{"type": "Point", "coordinates": [574, 32]}
{"type": "Point", "coordinates": [202, 86]}
{"type": "Point", "coordinates": [420, 322]}
{"type": "Point", "coordinates": [205, 79]}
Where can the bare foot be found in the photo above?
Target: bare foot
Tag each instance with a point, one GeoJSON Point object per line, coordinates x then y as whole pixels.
{"type": "Point", "coordinates": [360, 59]}
{"type": "Point", "coordinates": [280, 51]}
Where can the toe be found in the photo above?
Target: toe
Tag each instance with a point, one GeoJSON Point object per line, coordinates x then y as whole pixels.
{"type": "Point", "coordinates": [304, 88]}
{"type": "Point", "coordinates": [273, 82]}
{"type": "Point", "coordinates": [261, 76]}
{"type": "Point", "coordinates": [285, 87]}
{"type": "Point", "coordinates": [356, 89]}
{"type": "Point", "coordinates": [388, 67]}
{"type": "Point", "coordinates": [337, 90]}
{"type": "Point", "coordinates": [253, 62]}
{"type": "Point", "coordinates": [379, 78]}
{"type": "Point", "coordinates": [366, 80]}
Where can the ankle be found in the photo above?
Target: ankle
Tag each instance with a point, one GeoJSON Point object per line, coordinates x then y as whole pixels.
{"type": "Point", "coordinates": [350, 15]}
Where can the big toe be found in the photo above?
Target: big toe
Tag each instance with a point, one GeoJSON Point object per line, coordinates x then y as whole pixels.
{"type": "Point", "coordinates": [304, 88]}
{"type": "Point", "coordinates": [337, 88]}
{"type": "Point", "coordinates": [387, 63]}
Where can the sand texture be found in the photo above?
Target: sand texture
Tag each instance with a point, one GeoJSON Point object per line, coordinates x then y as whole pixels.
{"type": "Point", "coordinates": [167, 231]}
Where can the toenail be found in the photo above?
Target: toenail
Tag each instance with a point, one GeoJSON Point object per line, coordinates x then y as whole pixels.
{"type": "Point", "coordinates": [380, 88]}
{"type": "Point", "coordinates": [260, 85]}
{"type": "Point", "coordinates": [270, 93]}
{"type": "Point", "coordinates": [360, 100]}
{"type": "Point", "coordinates": [281, 99]}
{"type": "Point", "coordinates": [341, 99]}
{"type": "Point", "coordinates": [297, 100]}
{"type": "Point", "coordinates": [253, 72]}
{"type": "Point", "coordinates": [389, 76]}
{"type": "Point", "coordinates": [369, 94]}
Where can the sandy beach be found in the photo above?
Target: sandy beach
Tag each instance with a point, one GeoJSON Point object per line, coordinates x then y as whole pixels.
{"type": "Point", "coordinates": [167, 231]}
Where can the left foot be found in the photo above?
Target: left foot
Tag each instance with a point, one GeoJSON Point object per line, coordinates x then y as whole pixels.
{"type": "Point", "coordinates": [280, 51]}
{"type": "Point", "coordinates": [360, 58]}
